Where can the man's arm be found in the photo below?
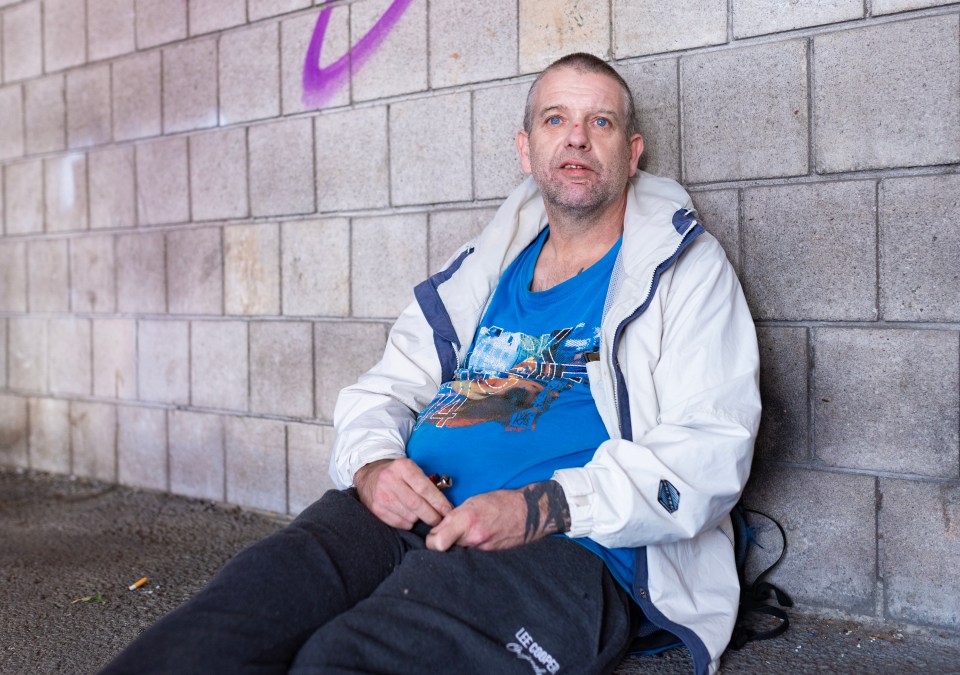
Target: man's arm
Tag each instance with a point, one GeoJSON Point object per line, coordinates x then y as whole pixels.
{"type": "Point", "coordinates": [504, 518]}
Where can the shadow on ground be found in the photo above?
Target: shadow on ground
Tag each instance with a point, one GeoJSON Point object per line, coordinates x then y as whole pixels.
{"type": "Point", "coordinates": [69, 550]}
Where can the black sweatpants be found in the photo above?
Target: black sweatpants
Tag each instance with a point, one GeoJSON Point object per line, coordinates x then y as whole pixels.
{"type": "Point", "coordinates": [338, 591]}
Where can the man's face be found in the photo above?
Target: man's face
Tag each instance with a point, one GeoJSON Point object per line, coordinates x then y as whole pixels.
{"type": "Point", "coordinates": [577, 148]}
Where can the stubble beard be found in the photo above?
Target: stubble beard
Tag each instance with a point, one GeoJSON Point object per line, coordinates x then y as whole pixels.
{"type": "Point", "coordinates": [579, 203]}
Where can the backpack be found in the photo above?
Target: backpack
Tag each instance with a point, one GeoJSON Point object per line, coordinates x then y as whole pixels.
{"type": "Point", "coordinates": [754, 595]}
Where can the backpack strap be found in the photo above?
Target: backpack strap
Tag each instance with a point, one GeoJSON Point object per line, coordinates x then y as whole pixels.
{"type": "Point", "coordinates": [754, 595]}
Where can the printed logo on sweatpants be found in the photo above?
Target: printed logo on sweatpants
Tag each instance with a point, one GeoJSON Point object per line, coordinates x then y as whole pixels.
{"type": "Point", "coordinates": [526, 648]}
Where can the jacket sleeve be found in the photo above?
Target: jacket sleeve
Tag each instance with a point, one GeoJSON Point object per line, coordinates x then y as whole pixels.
{"type": "Point", "coordinates": [374, 417]}
{"type": "Point", "coordinates": [686, 471]}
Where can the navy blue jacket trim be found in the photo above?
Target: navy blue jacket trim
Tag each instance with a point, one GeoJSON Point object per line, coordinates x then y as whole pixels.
{"type": "Point", "coordinates": [623, 400]}
{"type": "Point", "coordinates": [444, 334]}
{"type": "Point", "coordinates": [701, 657]}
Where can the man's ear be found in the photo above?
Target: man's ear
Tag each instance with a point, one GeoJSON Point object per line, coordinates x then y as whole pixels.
{"type": "Point", "coordinates": [523, 150]}
{"type": "Point", "coordinates": [636, 149]}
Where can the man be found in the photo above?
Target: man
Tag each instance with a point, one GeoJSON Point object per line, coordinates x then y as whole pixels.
{"type": "Point", "coordinates": [587, 369]}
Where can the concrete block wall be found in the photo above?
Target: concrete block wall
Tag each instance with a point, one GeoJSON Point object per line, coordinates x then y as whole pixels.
{"type": "Point", "coordinates": [212, 209]}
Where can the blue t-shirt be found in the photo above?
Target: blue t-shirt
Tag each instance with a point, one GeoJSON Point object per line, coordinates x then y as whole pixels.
{"type": "Point", "coordinates": [520, 407]}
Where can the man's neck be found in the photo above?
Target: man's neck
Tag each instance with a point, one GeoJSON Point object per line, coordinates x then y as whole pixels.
{"type": "Point", "coordinates": [576, 243]}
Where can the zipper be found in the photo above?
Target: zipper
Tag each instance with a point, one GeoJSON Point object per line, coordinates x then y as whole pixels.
{"type": "Point", "coordinates": [687, 238]}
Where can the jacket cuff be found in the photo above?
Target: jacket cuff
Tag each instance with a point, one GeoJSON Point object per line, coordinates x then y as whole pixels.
{"type": "Point", "coordinates": [580, 495]}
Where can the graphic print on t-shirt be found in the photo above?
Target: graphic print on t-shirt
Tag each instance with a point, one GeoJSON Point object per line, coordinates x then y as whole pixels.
{"type": "Point", "coordinates": [512, 377]}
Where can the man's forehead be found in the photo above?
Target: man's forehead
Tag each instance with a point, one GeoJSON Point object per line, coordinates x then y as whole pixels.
{"type": "Point", "coordinates": [568, 86]}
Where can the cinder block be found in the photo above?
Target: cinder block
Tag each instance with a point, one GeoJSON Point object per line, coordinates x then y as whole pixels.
{"type": "Point", "coordinates": [252, 269]}
{"type": "Point", "coordinates": [66, 192]}
{"type": "Point", "coordinates": [163, 369]}
{"type": "Point", "coordinates": [352, 160]}
{"type": "Point", "coordinates": [12, 114]}
{"type": "Point", "coordinates": [250, 74]}
{"type": "Point", "coordinates": [48, 275]}
{"type": "Point", "coordinates": [766, 136]}
{"type": "Point", "coordinates": [790, 231]}
{"type": "Point", "coordinates": [207, 16]}
{"type": "Point", "coordinates": [110, 28]}
{"type": "Point", "coordinates": [69, 354]}
{"type": "Point", "coordinates": [398, 65]}
{"type": "Point", "coordinates": [256, 463]}
{"type": "Point", "coordinates": [92, 274]}
{"type": "Point", "coordinates": [756, 17]}
{"type": "Point", "coordinates": [919, 248]}
{"type": "Point", "coordinates": [219, 371]}
{"type": "Point", "coordinates": [308, 457]}
{"type": "Point", "coordinates": [195, 271]}
{"type": "Point", "coordinates": [190, 85]}
{"type": "Point", "coordinates": [218, 174]}
{"type": "Point", "coordinates": [281, 368]}
{"type": "Point", "coordinates": [316, 267]}
{"type": "Point", "coordinates": [162, 182]}
{"type": "Point", "coordinates": [160, 21]}
{"type": "Point", "coordinates": [719, 212]}
{"type": "Point", "coordinates": [552, 28]}
{"type": "Point", "coordinates": [888, 400]}
{"type": "Point", "coordinates": [879, 7]}
{"type": "Point", "coordinates": [136, 96]}
{"type": "Point", "coordinates": [429, 141]}
{"type": "Point", "coordinates": [141, 280]}
{"type": "Point", "coordinates": [920, 551]}
{"type": "Point", "coordinates": [497, 117]}
{"type": "Point", "coordinates": [13, 431]}
{"type": "Point", "coordinates": [343, 352]}
{"type": "Point", "coordinates": [49, 435]}
{"type": "Point", "coordinates": [45, 116]}
{"type": "Point", "coordinates": [784, 364]}
{"type": "Point", "coordinates": [281, 168]}
{"type": "Point", "coordinates": [260, 9]}
{"type": "Point", "coordinates": [27, 354]}
{"type": "Point", "coordinates": [111, 176]}
{"type": "Point", "coordinates": [655, 94]}
{"type": "Point", "coordinates": [449, 230]}
{"type": "Point", "coordinates": [471, 42]}
{"type": "Point", "coordinates": [23, 199]}
{"type": "Point", "coordinates": [379, 290]}
{"type": "Point", "coordinates": [831, 540]}
{"type": "Point", "coordinates": [22, 41]}
{"type": "Point", "coordinates": [13, 276]}
{"type": "Point", "coordinates": [115, 358]}
{"type": "Point", "coordinates": [295, 35]}
{"type": "Point", "coordinates": [142, 447]}
{"type": "Point", "coordinates": [651, 27]}
{"type": "Point", "coordinates": [88, 106]}
{"type": "Point", "coordinates": [904, 72]}
{"type": "Point", "coordinates": [64, 34]}
{"type": "Point", "coordinates": [197, 460]}
{"type": "Point", "coordinates": [93, 437]}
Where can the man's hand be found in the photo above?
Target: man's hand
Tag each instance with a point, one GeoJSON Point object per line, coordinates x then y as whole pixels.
{"type": "Point", "coordinates": [398, 492]}
{"type": "Point", "coordinates": [504, 518]}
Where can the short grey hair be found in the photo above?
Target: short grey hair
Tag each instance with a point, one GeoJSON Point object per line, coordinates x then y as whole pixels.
{"type": "Point", "coordinates": [590, 64]}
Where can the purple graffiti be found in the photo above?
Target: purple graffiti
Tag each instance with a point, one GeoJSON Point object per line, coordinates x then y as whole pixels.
{"type": "Point", "coordinates": [319, 84]}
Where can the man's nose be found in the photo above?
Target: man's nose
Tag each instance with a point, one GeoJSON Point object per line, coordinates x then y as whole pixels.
{"type": "Point", "coordinates": [578, 137]}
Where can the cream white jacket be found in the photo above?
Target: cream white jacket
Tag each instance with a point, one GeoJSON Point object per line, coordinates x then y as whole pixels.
{"type": "Point", "coordinates": [676, 385]}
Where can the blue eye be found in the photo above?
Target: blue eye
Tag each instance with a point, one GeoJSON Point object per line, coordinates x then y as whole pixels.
{"type": "Point", "coordinates": [602, 122]}
{"type": "Point", "coordinates": [553, 119]}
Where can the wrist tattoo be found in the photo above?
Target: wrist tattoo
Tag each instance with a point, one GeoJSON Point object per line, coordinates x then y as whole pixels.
{"type": "Point", "coordinates": [547, 510]}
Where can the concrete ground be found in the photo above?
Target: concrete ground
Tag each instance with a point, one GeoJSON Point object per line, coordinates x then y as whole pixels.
{"type": "Point", "coordinates": [69, 549]}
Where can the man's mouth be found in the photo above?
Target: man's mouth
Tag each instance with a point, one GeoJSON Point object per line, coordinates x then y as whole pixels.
{"type": "Point", "coordinates": [575, 166]}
